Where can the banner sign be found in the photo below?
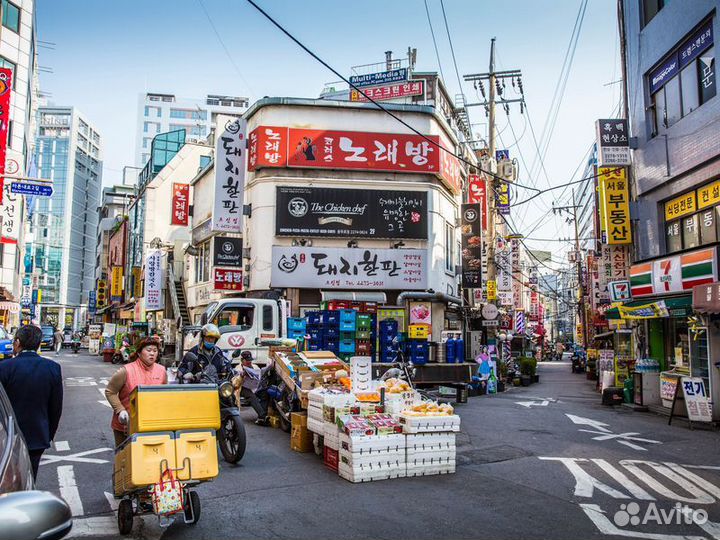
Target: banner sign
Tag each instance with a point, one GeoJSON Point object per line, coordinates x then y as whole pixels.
{"type": "Point", "coordinates": [673, 274]}
{"type": "Point", "coordinates": [616, 208]}
{"type": "Point", "coordinates": [613, 142]}
{"type": "Point", "coordinates": [349, 268]}
{"type": "Point", "coordinates": [116, 283]}
{"type": "Point", "coordinates": [491, 290]}
{"type": "Point", "coordinates": [697, 43]}
{"type": "Point", "coordinates": [228, 279]}
{"type": "Point", "coordinates": [117, 246]}
{"type": "Point", "coordinates": [380, 78]}
{"type": "Point", "coordinates": [517, 286]}
{"type": "Point", "coordinates": [180, 204]}
{"type": "Point", "coordinates": [653, 310]}
{"type": "Point", "coordinates": [352, 150]}
{"type": "Point", "coordinates": [502, 197]}
{"type": "Point", "coordinates": [92, 303]}
{"type": "Point", "coordinates": [392, 91]}
{"type": "Point", "coordinates": [230, 169]}
{"type": "Point", "coordinates": [354, 213]}
{"type": "Point", "coordinates": [137, 284]}
{"type": "Point", "coordinates": [680, 206]}
{"type": "Point", "coordinates": [477, 193]}
{"type": "Point", "coordinates": [472, 241]}
{"type": "Point", "coordinates": [503, 260]}
{"type": "Point", "coordinates": [228, 252]}
{"type": "Point", "coordinates": [153, 281]}
{"type": "Point", "coordinates": [6, 84]}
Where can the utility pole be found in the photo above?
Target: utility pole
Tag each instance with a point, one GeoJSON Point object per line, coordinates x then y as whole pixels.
{"type": "Point", "coordinates": [496, 84]}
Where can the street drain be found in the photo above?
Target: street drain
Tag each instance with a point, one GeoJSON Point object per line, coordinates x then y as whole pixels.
{"type": "Point", "coordinates": [491, 454]}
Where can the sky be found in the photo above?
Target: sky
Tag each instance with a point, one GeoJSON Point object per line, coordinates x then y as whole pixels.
{"type": "Point", "coordinates": [104, 54]}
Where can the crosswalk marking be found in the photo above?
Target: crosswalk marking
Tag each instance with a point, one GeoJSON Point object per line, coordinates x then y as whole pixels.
{"type": "Point", "coordinates": [61, 446]}
{"type": "Point", "coordinates": [69, 489]}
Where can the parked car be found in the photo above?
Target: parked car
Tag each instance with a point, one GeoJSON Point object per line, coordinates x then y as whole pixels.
{"type": "Point", "coordinates": [48, 337]}
{"type": "Point", "coordinates": [6, 344]}
{"type": "Point", "coordinates": [25, 513]}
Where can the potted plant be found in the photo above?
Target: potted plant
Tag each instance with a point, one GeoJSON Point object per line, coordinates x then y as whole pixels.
{"type": "Point", "coordinates": [502, 376]}
{"type": "Point", "coordinates": [528, 367]}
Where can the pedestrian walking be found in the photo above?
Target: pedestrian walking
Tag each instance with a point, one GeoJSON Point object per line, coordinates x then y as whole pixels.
{"type": "Point", "coordinates": [34, 386]}
{"type": "Point", "coordinates": [142, 370]}
{"type": "Point", "coordinates": [59, 338]}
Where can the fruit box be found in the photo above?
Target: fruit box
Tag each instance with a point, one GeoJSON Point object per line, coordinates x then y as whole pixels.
{"type": "Point", "coordinates": [385, 424]}
{"type": "Point", "coordinates": [385, 460]}
{"type": "Point", "coordinates": [423, 470]}
{"type": "Point", "coordinates": [174, 407]}
{"type": "Point", "coordinates": [425, 424]}
{"type": "Point", "coordinates": [421, 443]}
{"type": "Point", "coordinates": [355, 425]}
{"type": "Point", "coordinates": [316, 426]}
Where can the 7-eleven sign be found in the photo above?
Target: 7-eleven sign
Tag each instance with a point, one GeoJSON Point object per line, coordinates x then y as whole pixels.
{"type": "Point", "coordinates": [619, 291]}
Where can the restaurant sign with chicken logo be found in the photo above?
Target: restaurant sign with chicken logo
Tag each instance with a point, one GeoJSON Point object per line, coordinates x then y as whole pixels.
{"type": "Point", "coordinates": [471, 232]}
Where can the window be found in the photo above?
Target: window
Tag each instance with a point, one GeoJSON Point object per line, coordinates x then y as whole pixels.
{"type": "Point", "coordinates": [235, 317]}
{"type": "Point", "coordinates": [267, 318]}
{"type": "Point", "coordinates": [188, 114]}
{"type": "Point", "coordinates": [204, 161]}
{"type": "Point", "coordinates": [691, 232]}
{"type": "Point", "coordinates": [708, 226]}
{"type": "Point", "coordinates": [202, 263]}
{"type": "Point", "coordinates": [449, 247]}
{"type": "Point", "coordinates": [690, 89]}
{"type": "Point", "coordinates": [650, 8]}
{"type": "Point", "coordinates": [8, 64]}
{"type": "Point", "coordinates": [10, 16]}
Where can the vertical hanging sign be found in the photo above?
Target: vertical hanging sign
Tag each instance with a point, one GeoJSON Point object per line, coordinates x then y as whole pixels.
{"type": "Point", "coordinates": [180, 204]}
{"type": "Point", "coordinates": [477, 193]}
{"type": "Point", "coordinates": [153, 281]}
{"type": "Point", "coordinates": [6, 75]}
{"type": "Point", "coordinates": [230, 169]}
{"type": "Point", "coordinates": [116, 283]}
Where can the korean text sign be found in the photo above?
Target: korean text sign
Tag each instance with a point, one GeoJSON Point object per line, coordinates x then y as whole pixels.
{"type": "Point", "coordinates": [349, 268]}
{"type": "Point", "coordinates": [6, 84]}
{"type": "Point", "coordinates": [471, 245]}
{"type": "Point", "coordinates": [230, 152]}
{"type": "Point", "coordinates": [153, 281]}
{"type": "Point", "coordinates": [180, 204]}
{"type": "Point", "coordinates": [228, 279]}
{"type": "Point", "coordinates": [477, 193]}
{"type": "Point", "coordinates": [614, 197]}
{"type": "Point", "coordinates": [613, 142]}
{"type": "Point", "coordinates": [697, 399]}
{"type": "Point", "coordinates": [116, 283]}
{"type": "Point", "coordinates": [392, 91]}
{"type": "Point", "coordinates": [353, 150]}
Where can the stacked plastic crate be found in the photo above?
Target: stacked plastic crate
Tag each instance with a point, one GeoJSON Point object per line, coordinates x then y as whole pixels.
{"type": "Point", "coordinates": [297, 327]}
{"type": "Point", "coordinates": [348, 322]}
{"type": "Point", "coordinates": [389, 340]}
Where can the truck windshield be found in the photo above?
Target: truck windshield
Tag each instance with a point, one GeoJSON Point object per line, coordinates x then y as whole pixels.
{"type": "Point", "coordinates": [239, 317]}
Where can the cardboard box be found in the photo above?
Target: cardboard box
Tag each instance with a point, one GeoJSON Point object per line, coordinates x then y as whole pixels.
{"type": "Point", "coordinates": [301, 439]}
{"type": "Point", "coordinates": [298, 419]}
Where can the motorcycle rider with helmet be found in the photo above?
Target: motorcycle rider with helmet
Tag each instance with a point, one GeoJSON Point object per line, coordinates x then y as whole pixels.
{"type": "Point", "coordinates": [204, 353]}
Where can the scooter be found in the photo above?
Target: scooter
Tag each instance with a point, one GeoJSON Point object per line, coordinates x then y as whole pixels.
{"type": "Point", "coordinates": [231, 435]}
{"type": "Point", "coordinates": [123, 355]}
{"type": "Point", "coordinates": [578, 362]}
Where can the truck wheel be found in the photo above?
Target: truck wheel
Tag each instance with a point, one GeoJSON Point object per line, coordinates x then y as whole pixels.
{"type": "Point", "coordinates": [125, 517]}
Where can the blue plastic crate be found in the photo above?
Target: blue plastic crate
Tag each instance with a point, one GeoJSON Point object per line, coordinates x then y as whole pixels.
{"type": "Point", "coordinates": [388, 337]}
{"type": "Point", "coordinates": [388, 326]}
{"type": "Point", "coordinates": [419, 359]}
{"type": "Point", "coordinates": [295, 334]}
{"type": "Point", "coordinates": [347, 336]}
{"type": "Point", "coordinates": [346, 346]}
{"type": "Point", "coordinates": [347, 326]}
{"type": "Point", "coordinates": [314, 347]}
{"type": "Point", "coordinates": [330, 318]}
{"type": "Point", "coordinates": [348, 316]}
{"type": "Point", "coordinates": [313, 318]}
{"type": "Point", "coordinates": [331, 332]}
{"type": "Point", "coordinates": [330, 344]}
{"type": "Point", "coordinates": [315, 333]}
{"type": "Point", "coordinates": [296, 323]}
{"type": "Point", "coordinates": [419, 347]}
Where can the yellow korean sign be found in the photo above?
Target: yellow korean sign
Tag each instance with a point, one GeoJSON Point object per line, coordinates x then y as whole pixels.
{"type": "Point", "coordinates": [491, 289]}
{"type": "Point", "coordinates": [614, 196]}
{"type": "Point", "coordinates": [680, 206]}
{"type": "Point", "coordinates": [137, 282]}
{"type": "Point", "coordinates": [708, 195]}
{"type": "Point", "coordinates": [116, 282]}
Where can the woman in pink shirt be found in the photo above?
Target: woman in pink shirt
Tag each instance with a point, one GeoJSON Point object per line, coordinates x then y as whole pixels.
{"type": "Point", "coordinates": [142, 370]}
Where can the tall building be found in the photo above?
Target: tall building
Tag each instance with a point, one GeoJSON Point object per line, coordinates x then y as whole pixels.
{"type": "Point", "coordinates": [160, 113]}
{"type": "Point", "coordinates": [115, 204]}
{"type": "Point", "coordinates": [17, 52]}
{"type": "Point", "coordinates": [63, 227]}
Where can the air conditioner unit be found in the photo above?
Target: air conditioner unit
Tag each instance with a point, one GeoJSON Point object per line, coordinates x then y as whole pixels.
{"type": "Point", "coordinates": [507, 170]}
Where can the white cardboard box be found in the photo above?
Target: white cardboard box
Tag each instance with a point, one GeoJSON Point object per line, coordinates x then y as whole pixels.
{"type": "Point", "coordinates": [422, 470]}
{"type": "Point", "coordinates": [393, 460]}
{"type": "Point", "coordinates": [370, 444]}
{"type": "Point", "coordinates": [428, 424]}
{"type": "Point", "coordinates": [430, 442]}
{"type": "Point", "coordinates": [366, 475]}
{"type": "Point", "coordinates": [316, 426]}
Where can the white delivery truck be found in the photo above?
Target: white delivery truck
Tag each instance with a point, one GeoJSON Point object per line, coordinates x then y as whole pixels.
{"type": "Point", "coordinates": [243, 322]}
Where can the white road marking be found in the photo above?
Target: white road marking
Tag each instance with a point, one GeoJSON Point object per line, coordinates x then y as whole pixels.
{"type": "Point", "coordinates": [104, 526]}
{"type": "Point", "coordinates": [114, 503]}
{"type": "Point", "coordinates": [69, 490]}
{"type": "Point", "coordinates": [626, 438]}
{"type": "Point", "coordinates": [104, 402]}
{"type": "Point", "coordinates": [704, 484]}
{"type": "Point", "coordinates": [605, 526]}
{"type": "Point", "coordinates": [588, 422]}
{"type": "Point", "coordinates": [551, 400]}
{"type": "Point", "coordinates": [529, 404]}
{"type": "Point", "coordinates": [80, 381]}
{"type": "Point", "coordinates": [78, 457]}
{"type": "Point", "coordinates": [585, 484]}
{"type": "Point", "coordinates": [712, 528]}
{"type": "Point", "coordinates": [620, 477]}
{"type": "Point", "coordinates": [697, 495]}
{"type": "Point", "coordinates": [61, 446]}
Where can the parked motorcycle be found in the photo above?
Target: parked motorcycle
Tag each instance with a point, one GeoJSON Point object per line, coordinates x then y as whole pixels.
{"type": "Point", "coordinates": [231, 435]}
{"type": "Point", "coordinates": [123, 355]}
{"type": "Point", "coordinates": [578, 361]}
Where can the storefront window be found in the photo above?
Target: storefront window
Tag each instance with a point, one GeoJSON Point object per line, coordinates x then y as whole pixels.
{"type": "Point", "coordinates": [708, 226]}
{"type": "Point", "coordinates": [672, 102]}
{"type": "Point", "coordinates": [679, 346]}
{"type": "Point", "coordinates": [691, 233]}
{"type": "Point", "coordinates": [699, 364]}
{"type": "Point", "coordinates": [674, 238]}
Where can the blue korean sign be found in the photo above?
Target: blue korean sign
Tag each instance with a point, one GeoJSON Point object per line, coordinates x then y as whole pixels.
{"type": "Point", "coordinates": [24, 188]}
{"type": "Point", "coordinates": [378, 79]}
{"type": "Point", "coordinates": [700, 41]}
{"type": "Point", "coordinates": [502, 155]}
{"type": "Point", "coordinates": [92, 303]}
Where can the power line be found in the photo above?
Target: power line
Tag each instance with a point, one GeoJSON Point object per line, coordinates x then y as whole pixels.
{"type": "Point", "coordinates": [432, 33]}
{"type": "Point", "coordinates": [452, 51]}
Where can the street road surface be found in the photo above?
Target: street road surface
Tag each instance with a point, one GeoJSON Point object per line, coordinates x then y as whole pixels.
{"type": "Point", "coordinates": [547, 461]}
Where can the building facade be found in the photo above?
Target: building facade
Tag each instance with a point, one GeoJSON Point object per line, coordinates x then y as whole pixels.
{"type": "Point", "coordinates": [17, 52]}
{"type": "Point", "coordinates": [160, 113]}
{"type": "Point", "coordinates": [62, 250]}
{"type": "Point", "coordinates": [674, 116]}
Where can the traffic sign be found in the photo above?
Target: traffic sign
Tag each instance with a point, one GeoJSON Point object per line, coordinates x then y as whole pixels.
{"type": "Point", "coordinates": [24, 188]}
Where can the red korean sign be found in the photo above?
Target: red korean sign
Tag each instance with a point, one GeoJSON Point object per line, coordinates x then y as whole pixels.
{"type": "Point", "coordinates": [477, 193]}
{"type": "Point", "coordinates": [392, 91]}
{"type": "Point", "coordinates": [180, 204]}
{"type": "Point", "coordinates": [354, 150]}
{"type": "Point", "coordinates": [5, 86]}
{"type": "Point", "coordinates": [228, 280]}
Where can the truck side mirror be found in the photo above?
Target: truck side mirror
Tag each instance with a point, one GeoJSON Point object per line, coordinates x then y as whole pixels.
{"type": "Point", "coordinates": [203, 319]}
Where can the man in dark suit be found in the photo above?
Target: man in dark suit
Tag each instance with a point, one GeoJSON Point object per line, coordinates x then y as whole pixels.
{"type": "Point", "coordinates": [34, 386]}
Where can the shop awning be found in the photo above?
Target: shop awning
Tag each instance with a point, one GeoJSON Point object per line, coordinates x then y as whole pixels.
{"type": "Point", "coordinates": [360, 296]}
{"type": "Point", "coordinates": [706, 298]}
{"type": "Point", "coordinates": [678, 306]}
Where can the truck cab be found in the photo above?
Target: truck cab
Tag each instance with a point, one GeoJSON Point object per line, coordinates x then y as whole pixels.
{"type": "Point", "coordinates": [243, 322]}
